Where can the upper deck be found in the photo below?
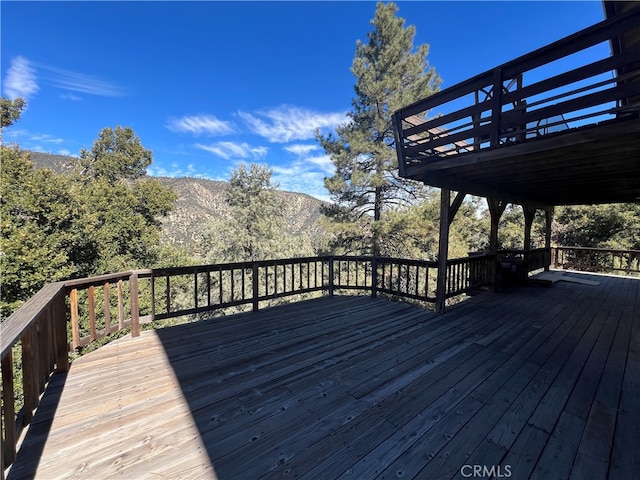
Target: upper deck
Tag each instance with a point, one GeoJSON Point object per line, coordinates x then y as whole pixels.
{"type": "Point", "coordinates": [538, 382]}
{"type": "Point", "coordinates": [558, 126]}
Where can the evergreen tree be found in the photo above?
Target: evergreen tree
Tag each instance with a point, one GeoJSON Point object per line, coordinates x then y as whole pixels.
{"type": "Point", "coordinates": [121, 209]}
{"type": "Point", "coordinates": [389, 75]}
{"type": "Point", "coordinates": [59, 226]}
{"type": "Point", "coordinates": [614, 226]}
{"type": "Point", "coordinates": [36, 218]}
{"type": "Point", "coordinates": [115, 155]}
{"type": "Point", "coordinates": [10, 110]}
{"type": "Point", "coordinates": [255, 229]}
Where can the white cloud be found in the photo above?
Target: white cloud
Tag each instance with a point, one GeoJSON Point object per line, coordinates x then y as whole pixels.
{"type": "Point", "coordinates": [324, 162]}
{"type": "Point", "coordinates": [306, 173]}
{"type": "Point", "coordinates": [45, 137]}
{"type": "Point", "coordinates": [70, 96]}
{"type": "Point", "coordinates": [20, 80]}
{"type": "Point", "coordinates": [79, 82]}
{"type": "Point", "coordinates": [297, 177]}
{"type": "Point", "coordinates": [200, 124]}
{"type": "Point", "coordinates": [300, 149]}
{"type": "Point", "coordinates": [287, 123]}
{"type": "Point", "coordinates": [229, 150]}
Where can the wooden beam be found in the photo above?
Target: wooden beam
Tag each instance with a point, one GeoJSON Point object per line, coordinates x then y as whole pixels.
{"type": "Point", "coordinates": [443, 247]}
{"type": "Point", "coordinates": [496, 209]}
{"type": "Point", "coordinates": [529, 216]}
{"type": "Point", "coordinates": [455, 206]}
{"type": "Point", "coordinates": [453, 182]}
{"type": "Point", "coordinates": [548, 213]}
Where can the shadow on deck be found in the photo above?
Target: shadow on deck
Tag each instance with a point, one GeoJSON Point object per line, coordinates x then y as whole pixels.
{"type": "Point", "coordinates": [530, 383]}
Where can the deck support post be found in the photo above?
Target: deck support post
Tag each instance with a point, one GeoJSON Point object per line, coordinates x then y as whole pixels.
{"type": "Point", "coordinates": [496, 209]}
{"type": "Point", "coordinates": [529, 216]}
{"type": "Point", "coordinates": [448, 212]}
{"type": "Point", "coordinates": [443, 247]}
{"type": "Point", "coordinates": [548, 215]}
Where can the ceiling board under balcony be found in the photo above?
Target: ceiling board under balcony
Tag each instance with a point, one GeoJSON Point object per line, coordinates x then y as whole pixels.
{"type": "Point", "coordinates": [595, 164]}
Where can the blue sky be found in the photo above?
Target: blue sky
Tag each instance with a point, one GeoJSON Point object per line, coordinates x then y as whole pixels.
{"type": "Point", "coordinates": [206, 85]}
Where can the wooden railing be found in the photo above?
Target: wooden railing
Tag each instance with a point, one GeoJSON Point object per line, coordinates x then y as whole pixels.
{"type": "Point", "coordinates": [596, 259]}
{"type": "Point", "coordinates": [514, 103]}
{"type": "Point", "coordinates": [66, 316]}
{"type": "Point", "coordinates": [531, 260]}
{"type": "Point", "coordinates": [466, 274]}
{"type": "Point", "coordinates": [34, 340]}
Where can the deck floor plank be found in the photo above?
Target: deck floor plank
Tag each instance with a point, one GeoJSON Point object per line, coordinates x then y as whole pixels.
{"type": "Point", "coordinates": [543, 381]}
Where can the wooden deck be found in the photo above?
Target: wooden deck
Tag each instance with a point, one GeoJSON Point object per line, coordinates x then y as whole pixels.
{"type": "Point", "coordinates": [538, 383]}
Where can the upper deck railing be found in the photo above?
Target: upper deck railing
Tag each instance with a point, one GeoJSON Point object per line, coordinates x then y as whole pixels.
{"type": "Point", "coordinates": [519, 101]}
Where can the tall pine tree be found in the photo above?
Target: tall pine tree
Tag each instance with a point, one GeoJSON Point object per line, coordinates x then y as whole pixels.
{"type": "Point", "coordinates": [390, 74]}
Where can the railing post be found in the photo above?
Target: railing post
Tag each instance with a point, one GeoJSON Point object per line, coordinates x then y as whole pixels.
{"type": "Point", "coordinates": [331, 286]}
{"type": "Point", "coordinates": [374, 277]}
{"type": "Point", "coordinates": [8, 411]}
{"type": "Point", "coordinates": [135, 305]}
{"type": "Point", "coordinates": [548, 216]}
{"type": "Point", "coordinates": [59, 319]}
{"type": "Point", "coordinates": [443, 247]}
{"type": "Point", "coordinates": [29, 374]}
{"type": "Point", "coordinates": [254, 286]}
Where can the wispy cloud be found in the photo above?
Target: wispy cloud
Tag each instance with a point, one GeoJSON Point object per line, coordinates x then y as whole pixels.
{"type": "Point", "coordinates": [301, 149]}
{"type": "Point", "coordinates": [288, 123]}
{"type": "Point", "coordinates": [45, 137]}
{"type": "Point", "coordinates": [199, 125]}
{"type": "Point", "coordinates": [70, 96]}
{"type": "Point", "coordinates": [20, 80]}
{"type": "Point", "coordinates": [24, 78]}
{"type": "Point", "coordinates": [230, 150]}
{"type": "Point", "coordinates": [72, 81]}
{"type": "Point", "coordinates": [174, 170]}
{"type": "Point", "coordinates": [305, 157]}
{"type": "Point", "coordinates": [306, 172]}
{"type": "Point", "coordinates": [297, 177]}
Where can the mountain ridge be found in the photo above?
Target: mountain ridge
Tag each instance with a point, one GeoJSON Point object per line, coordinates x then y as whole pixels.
{"type": "Point", "coordinates": [202, 200]}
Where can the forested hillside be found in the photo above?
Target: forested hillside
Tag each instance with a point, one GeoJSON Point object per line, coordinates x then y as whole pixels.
{"type": "Point", "coordinates": [199, 201]}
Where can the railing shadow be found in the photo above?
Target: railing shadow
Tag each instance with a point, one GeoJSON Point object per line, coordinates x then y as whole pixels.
{"type": "Point", "coordinates": [32, 446]}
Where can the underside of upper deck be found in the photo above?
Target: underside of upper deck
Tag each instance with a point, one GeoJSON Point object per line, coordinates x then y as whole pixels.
{"type": "Point", "coordinates": [534, 382]}
{"type": "Point", "coordinates": [558, 126]}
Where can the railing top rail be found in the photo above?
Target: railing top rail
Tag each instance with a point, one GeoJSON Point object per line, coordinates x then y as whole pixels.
{"type": "Point", "coordinates": [564, 47]}
{"type": "Point", "coordinates": [100, 279]}
{"type": "Point", "coordinates": [14, 326]}
{"type": "Point", "coordinates": [470, 259]}
{"type": "Point", "coordinates": [597, 249]}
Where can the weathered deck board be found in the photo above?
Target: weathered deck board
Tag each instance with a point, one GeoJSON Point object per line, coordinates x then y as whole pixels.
{"type": "Point", "coordinates": [542, 381]}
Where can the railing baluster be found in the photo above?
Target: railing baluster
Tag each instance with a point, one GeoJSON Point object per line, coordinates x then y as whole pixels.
{"type": "Point", "coordinates": [75, 327]}
{"type": "Point", "coordinates": [168, 287]}
{"type": "Point", "coordinates": [195, 287]}
{"type": "Point", "coordinates": [107, 306]}
{"type": "Point", "coordinates": [92, 313]}
{"type": "Point", "coordinates": [29, 369]}
{"type": "Point", "coordinates": [220, 289]}
{"type": "Point", "coordinates": [135, 306]}
{"type": "Point", "coordinates": [233, 284]}
{"type": "Point", "coordinates": [254, 286]}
